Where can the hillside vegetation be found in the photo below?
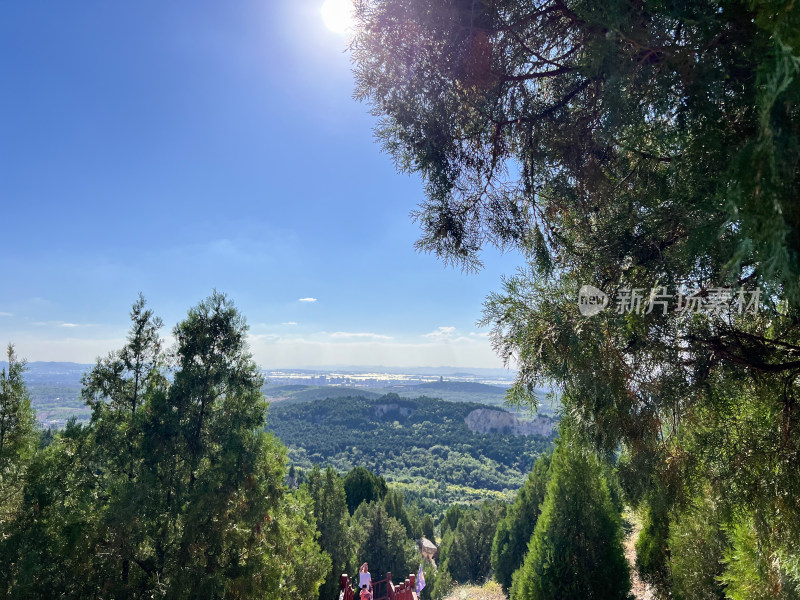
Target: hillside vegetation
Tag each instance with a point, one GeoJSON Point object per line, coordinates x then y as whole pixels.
{"type": "Point", "coordinates": [55, 390]}
{"type": "Point", "coordinates": [293, 393]}
{"type": "Point", "coordinates": [422, 445]}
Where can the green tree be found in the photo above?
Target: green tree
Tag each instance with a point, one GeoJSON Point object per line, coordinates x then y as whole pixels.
{"type": "Point", "coordinates": [116, 389]}
{"type": "Point", "coordinates": [524, 117]}
{"type": "Point", "coordinates": [450, 519]}
{"type": "Point", "coordinates": [515, 530]}
{"type": "Point", "coordinates": [17, 436]}
{"type": "Point", "coordinates": [749, 574]}
{"type": "Point", "coordinates": [55, 542]}
{"type": "Point", "coordinates": [646, 149]}
{"type": "Point", "coordinates": [466, 550]}
{"type": "Point", "coordinates": [333, 522]}
{"type": "Point", "coordinates": [652, 552]}
{"type": "Point", "coordinates": [431, 573]}
{"type": "Point", "coordinates": [191, 503]}
{"type": "Point", "coordinates": [576, 548]}
{"type": "Point", "coordinates": [427, 528]}
{"type": "Point", "coordinates": [442, 585]}
{"type": "Point", "coordinates": [382, 542]}
{"type": "Point", "coordinates": [361, 485]}
{"type": "Point", "coordinates": [225, 520]}
{"type": "Point", "coordinates": [697, 546]}
{"type": "Point", "coordinates": [396, 508]}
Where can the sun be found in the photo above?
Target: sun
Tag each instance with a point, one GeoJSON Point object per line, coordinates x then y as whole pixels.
{"type": "Point", "coordinates": [338, 15]}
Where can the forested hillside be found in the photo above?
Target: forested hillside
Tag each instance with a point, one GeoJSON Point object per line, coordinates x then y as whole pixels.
{"type": "Point", "coordinates": [423, 445]}
{"type": "Point", "coordinates": [55, 390]}
{"type": "Point", "coordinates": [454, 391]}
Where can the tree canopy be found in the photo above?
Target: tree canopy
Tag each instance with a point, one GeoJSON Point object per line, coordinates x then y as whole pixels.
{"type": "Point", "coordinates": [576, 548]}
{"type": "Point", "coordinates": [173, 490]}
{"type": "Point", "coordinates": [645, 148]}
{"type": "Point", "coordinates": [333, 523]}
{"type": "Point", "coordinates": [361, 485]}
{"type": "Point", "coordinates": [466, 549]}
{"type": "Point", "coordinates": [515, 529]}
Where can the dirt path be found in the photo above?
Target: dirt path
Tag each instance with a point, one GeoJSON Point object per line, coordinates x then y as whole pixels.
{"type": "Point", "coordinates": [640, 589]}
{"type": "Point", "coordinates": [490, 591]}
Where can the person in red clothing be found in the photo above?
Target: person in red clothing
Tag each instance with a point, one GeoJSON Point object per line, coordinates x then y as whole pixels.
{"type": "Point", "coordinates": [365, 593]}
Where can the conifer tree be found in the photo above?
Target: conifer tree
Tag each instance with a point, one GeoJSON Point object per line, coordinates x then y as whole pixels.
{"type": "Point", "coordinates": [17, 435]}
{"type": "Point", "coordinates": [361, 485]}
{"type": "Point", "coordinates": [515, 530]}
{"type": "Point", "coordinates": [17, 445]}
{"type": "Point", "coordinates": [576, 548]}
{"type": "Point", "coordinates": [382, 542]}
{"type": "Point", "coordinates": [697, 546]}
{"type": "Point", "coordinates": [332, 519]}
{"type": "Point", "coordinates": [173, 489]}
{"type": "Point", "coordinates": [650, 150]}
{"type": "Point", "coordinates": [466, 550]}
{"type": "Point", "coordinates": [427, 527]}
{"type": "Point", "coordinates": [396, 508]}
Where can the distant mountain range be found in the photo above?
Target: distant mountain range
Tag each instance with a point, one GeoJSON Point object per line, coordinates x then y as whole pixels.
{"type": "Point", "coordinates": [55, 388]}
{"type": "Point", "coordinates": [60, 372]}
{"type": "Point", "coordinates": [460, 372]}
{"type": "Point", "coordinates": [75, 370]}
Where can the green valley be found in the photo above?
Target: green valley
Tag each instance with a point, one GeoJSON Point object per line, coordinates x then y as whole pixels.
{"type": "Point", "coordinates": [423, 446]}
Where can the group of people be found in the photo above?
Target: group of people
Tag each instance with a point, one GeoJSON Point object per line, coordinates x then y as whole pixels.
{"type": "Point", "coordinates": [364, 583]}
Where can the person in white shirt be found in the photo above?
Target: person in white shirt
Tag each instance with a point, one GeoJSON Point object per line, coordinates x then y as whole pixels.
{"type": "Point", "coordinates": [364, 578]}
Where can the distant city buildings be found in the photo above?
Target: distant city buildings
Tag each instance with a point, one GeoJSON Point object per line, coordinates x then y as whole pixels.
{"type": "Point", "coordinates": [371, 380]}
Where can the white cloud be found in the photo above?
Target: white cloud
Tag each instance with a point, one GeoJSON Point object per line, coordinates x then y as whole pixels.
{"type": "Point", "coordinates": [71, 349]}
{"type": "Point", "coordinates": [60, 324]}
{"type": "Point", "coordinates": [289, 323]}
{"type": "Point", "coordinates": [271, 350]}
{"type": "Point", "coordinates": [301, 352]}
{"type": "Point", "coordinates": [6, 314]}
{"type": "Point", "coordinates": [372, 336]}
{"type": "Point", "coordinates": [264, 337]}
{"type": "Point", "coordinates": [306, 299]}
{"type": "Point", "coordinates": [441, 334]}
{"type": "Point", "coordinates": [482, 334]}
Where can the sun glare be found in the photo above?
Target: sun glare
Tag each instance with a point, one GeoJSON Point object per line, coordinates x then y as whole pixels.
{"type": "Point", "coordinates": [338, 15]}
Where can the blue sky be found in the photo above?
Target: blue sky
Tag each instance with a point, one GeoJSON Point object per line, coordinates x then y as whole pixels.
{"type": "Point", "coordinates": [174, 148]}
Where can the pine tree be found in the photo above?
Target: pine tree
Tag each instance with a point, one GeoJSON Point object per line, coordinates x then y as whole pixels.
{"type": "Point", "coordinates": [751, 571]}
{"type": "Point", "coordinates": [515, 530]}
{"type": "Point", "coordinates": [226, 521]}
{"type": "Point", "coordinates": [173, 489]}
{"type": "Point", "coordinates": [652, 554]}
{"type": "Point", "coordinates": [361, 485]}
{"type": "Point", "coordinates": [330, 512]}
{"type": "Point", "coordinates": [450, 519]}
{"type": "Point", "coordinates": [382, 542]}
{"type": "Point", "coordinates": [17, 445]}
{"type": "Point", "coordinates": [697, 546]}
{"type": "Point", "coordinates": [396, 508]}
{"type": "Point", "coordinates": [427, 528]}
{"type": "Point", "coordinates": [576, 548]}
{"type": "Point", "coordinates": [650, 149]}
{"type": "Point", "coordinates": [17, 435]}
{"type": "Point", "coordinates": [466, 550]}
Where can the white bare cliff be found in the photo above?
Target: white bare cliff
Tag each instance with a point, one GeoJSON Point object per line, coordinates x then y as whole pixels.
{"type": "Point", "coordinates": [487, 420]}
